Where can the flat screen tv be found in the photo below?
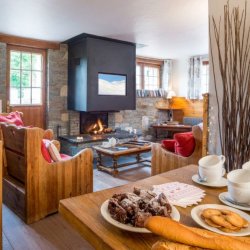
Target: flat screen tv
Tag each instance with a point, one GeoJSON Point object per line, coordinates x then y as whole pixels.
{"type": "Point", "coordinates": [112, 84]}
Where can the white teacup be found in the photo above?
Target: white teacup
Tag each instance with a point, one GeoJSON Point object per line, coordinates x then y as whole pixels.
{"type": "Point", "coordinates": [112, 141]}
{"type": "Point", "coordinates": [211, 168]}
{"type": "Point", "coordinates": [239, 185]}
{"type": "Point", "coordinates": [246, 165]}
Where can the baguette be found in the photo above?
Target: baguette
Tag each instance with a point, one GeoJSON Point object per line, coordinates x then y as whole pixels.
{"type": "Point", "coordinates": [168, 245]}
{"type": "Point", "coordinates": [175, 231]}
{"type": "Point", "coordinates": [212, 234]}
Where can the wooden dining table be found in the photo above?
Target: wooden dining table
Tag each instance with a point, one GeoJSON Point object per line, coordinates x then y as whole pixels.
{"type": "Point", "coordinates": [83, 212]}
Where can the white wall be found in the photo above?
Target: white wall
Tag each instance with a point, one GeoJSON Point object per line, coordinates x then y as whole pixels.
{"type": "Point", "coordinates": [180, 76]}
{"type": "Point", "coordinates": [216, 9]}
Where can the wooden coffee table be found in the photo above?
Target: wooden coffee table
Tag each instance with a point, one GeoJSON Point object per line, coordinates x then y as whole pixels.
{"type": "Point", "coordinates": [83, 212]}
{"type": "Point", "coordinates": [121, 150]}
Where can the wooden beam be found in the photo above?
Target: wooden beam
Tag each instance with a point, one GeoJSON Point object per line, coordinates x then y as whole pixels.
{"type": "Point", "coordinates": [152, 61]}
{"type": "Point", "coordinates": [28, 42]}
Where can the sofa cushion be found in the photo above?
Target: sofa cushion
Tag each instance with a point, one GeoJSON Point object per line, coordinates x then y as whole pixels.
{"type": "Point", "coordinates": [13, 117]}
{"type": "Point", "coordinates": [169, 144]}
{"type": "Point", "coordinates": [65, 157]}
{"type": "Point", "coordinates": [192, 120]}
{"type": "Point", "coordinates": [185, 144]}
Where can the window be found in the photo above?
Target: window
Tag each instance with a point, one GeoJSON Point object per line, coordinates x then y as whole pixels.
{"type": "Point", "coordinates": [148, 74]}
{"type": "Point", "coordinates": [204, 76]}
{"type": "Point", "coordinates": [25, 77]}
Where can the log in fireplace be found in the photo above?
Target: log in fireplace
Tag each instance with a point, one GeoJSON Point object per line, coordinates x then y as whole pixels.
{"type": "Point", "coordinates": [94, 123]}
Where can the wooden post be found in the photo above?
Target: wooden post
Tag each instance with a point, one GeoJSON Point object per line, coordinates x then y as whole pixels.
{"type": "Point", "coordinates": [1, 215]}
{"type": "Point", "coordinates": [205, 125]}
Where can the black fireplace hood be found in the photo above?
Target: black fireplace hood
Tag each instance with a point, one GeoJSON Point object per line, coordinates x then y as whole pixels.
{"type": "Point", "coordinates": [92, 57]}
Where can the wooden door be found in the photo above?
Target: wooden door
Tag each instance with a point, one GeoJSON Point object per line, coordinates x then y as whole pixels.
{"type": "Point", "coordinates": [26, 84]}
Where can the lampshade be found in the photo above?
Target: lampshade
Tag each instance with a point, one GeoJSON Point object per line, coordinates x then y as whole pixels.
{"type": "Point", "coordinates": [171, 94]}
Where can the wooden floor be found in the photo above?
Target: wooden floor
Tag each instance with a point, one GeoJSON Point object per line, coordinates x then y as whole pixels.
{"type": "Point", "coordinates": [53, 232]}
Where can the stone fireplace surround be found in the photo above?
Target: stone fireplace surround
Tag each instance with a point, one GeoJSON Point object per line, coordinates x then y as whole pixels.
{"type": "Point", "coordinates": [72, 144]}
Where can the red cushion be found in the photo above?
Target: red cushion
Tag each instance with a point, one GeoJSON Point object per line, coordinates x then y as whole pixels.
{"type": "Point", "coordinates": [45, 151]}
{"type": "Point", "coordinates": [65, 157]}
{"type": "Point", "coordinates": [13, 117]}
{"type": "Point", "coordinates": [169, 144]}
{"type": "Point", "coordinates": [185, 144]}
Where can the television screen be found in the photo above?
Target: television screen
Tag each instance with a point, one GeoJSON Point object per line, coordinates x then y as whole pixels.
{"type": "Point", "coordinates": [111, 84]}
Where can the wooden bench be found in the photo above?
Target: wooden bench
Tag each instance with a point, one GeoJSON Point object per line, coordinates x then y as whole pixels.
{"type": "Point", "coordinates": [32, 187]}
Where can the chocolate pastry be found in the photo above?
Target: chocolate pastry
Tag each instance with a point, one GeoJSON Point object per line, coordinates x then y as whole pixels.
{"type": "Point", "coordinates": [135, 208]}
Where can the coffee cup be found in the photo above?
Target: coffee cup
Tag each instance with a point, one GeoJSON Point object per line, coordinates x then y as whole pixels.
{"type": "Point", "coordinates": [239, 185]}
{"type": "Point", "coordinates": [211, 168]}
{"type": "Point", "coordinates": [246, 165]}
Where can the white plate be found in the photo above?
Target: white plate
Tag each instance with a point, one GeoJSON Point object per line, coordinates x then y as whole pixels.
{"type": "Point", "coordinates": [221, 183]}
{"type": "Point", "coordinates": [128, 227]}
{"type": "Point", "coordinates": [196, 215]}
{"type": "Point", "coordinates": [223, 200]}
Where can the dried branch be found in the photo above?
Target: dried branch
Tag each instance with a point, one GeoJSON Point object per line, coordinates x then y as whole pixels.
{"type": "Point", "coordinates": [234, 66]}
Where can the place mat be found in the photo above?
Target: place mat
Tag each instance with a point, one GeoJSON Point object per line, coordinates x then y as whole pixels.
{"type": "Point", "coordinates": [180, 194]}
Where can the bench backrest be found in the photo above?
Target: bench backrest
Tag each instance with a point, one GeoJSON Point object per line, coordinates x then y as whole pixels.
{"type": "Point", "coordinates": [15, 150]}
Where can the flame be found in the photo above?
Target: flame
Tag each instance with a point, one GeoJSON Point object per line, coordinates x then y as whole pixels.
{"type": "Point", "coordinates": [100, 125]}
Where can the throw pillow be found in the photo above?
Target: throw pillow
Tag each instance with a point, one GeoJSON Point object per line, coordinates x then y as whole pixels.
{"type": "Point", "coordinates": [13, 117]}
{"type": "Point", "coordinates": [185, 144]}
{"type": "Point", "coordinates": [45, 152]}
{"type": "Point", "coordinates": [169, 144]}
{"type": "Point", "coordinates": [54, 153]}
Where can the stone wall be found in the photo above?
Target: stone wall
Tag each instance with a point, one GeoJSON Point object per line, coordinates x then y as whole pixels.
{"type": "Point", "coordinates": [3, 68]}
{"type": "Point", "coordinates": [145, 107]}
{"type": "Point", "coordinates": [58, 116]}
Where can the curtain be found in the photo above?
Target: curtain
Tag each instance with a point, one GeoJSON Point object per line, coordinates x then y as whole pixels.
{"type": "Point", "coordinates": [194, 83]}
{"type": "Point", "coordinates": [167, 74]}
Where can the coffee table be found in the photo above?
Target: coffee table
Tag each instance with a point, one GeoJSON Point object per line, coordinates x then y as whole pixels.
{"type": "Point", "coordinates": [83, 212]}
{"type": "Point", "coordinates": [121, 150]}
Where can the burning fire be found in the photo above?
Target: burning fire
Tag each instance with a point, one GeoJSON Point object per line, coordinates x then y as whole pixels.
{"type": "Point", "coordinates": [99, 128]}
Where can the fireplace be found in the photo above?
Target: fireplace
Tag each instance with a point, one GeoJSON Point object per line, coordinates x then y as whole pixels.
{"type": "Point", "coordinates": [94, 123]}
{"type": "Point", "coordinates": [93, 131]}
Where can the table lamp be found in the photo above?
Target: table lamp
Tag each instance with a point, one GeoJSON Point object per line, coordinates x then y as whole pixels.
{"type": "Point", "coordinates": [171, 94]}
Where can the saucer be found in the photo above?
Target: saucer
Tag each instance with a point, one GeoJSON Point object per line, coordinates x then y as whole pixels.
{"type": "Point", "coordinates": [223, 200]}
{"type": "Point", "coordinates": [221, 183]}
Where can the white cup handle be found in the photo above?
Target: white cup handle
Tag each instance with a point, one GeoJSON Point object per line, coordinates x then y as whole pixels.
{"type": "Point", "coordinates": [222, 158]}
{"type": "Point", "coordinates": [223, 171]}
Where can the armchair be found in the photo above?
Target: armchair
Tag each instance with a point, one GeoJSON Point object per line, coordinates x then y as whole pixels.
{"type": "Point", "coordinates": [32, 187]}
{"type": "Point", "coordinates": [164, 160]}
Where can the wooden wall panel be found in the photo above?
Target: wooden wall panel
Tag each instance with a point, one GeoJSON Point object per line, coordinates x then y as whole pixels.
{"type": "Point", "coordinates": [191, 108]}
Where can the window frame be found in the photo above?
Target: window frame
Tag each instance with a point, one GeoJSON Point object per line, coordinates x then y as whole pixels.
{"type": "Point", "coordinates": [43, 75]}
{"type": "Point", "coordinates": [149, 62]}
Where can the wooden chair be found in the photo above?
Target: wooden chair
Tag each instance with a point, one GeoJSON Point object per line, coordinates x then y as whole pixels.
{"type": "Point", "coordinates": [32, 187]}
{"type": "Point", "coordinates": [163, 160]}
